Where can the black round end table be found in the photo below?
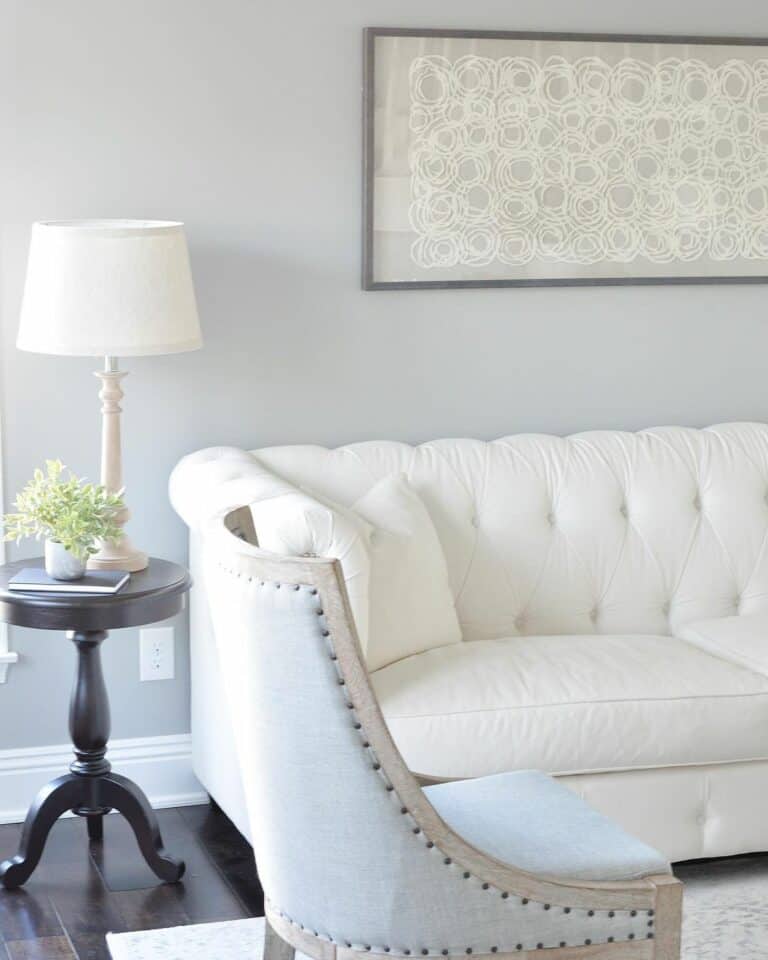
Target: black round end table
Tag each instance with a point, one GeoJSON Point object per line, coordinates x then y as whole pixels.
{"type": "Point", "coordinates": [90, 789]}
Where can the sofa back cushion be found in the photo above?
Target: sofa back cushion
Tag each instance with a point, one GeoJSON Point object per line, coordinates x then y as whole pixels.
{"type": "Point", "coordinates": [601, 532]}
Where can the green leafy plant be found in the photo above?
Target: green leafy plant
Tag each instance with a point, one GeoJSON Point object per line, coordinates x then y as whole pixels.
{"type": "Point", "coordinates": [57, 505]}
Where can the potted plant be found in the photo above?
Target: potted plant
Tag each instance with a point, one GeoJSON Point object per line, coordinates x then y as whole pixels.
{"type": "Point", "coordinates": [69, 513]}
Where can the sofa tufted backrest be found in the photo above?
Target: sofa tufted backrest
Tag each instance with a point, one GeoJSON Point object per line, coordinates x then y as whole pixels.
{"type": "Point", "coordinates": [601, 532]}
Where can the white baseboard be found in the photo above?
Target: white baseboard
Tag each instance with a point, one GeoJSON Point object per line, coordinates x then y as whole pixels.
{"type": "Point", "coordinates": [161, 766]}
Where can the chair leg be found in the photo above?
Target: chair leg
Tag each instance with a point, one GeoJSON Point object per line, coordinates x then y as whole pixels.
{"type": "Point", "coordinates": [669, 908]}
{"type": "Point", "coordinates": [275, 948]}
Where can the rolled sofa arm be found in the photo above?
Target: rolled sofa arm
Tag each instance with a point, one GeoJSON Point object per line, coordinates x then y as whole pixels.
{"type": "Point", "coordinates": [282, 518]}
{"type": "Point", "coordinates": [208, 482]}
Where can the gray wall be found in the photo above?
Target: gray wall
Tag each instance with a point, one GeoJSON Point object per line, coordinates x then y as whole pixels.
{"type": "Point", "coordinates": [242, 119]}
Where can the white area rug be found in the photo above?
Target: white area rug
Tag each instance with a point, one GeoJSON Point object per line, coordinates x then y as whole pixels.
{"type": "Point", "coordinates": [232, 940]}
{"type": "Point", "coordinates": [726, 918]}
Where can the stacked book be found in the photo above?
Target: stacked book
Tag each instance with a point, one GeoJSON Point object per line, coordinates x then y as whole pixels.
{"type": "Point", "coordinates": [36, 580]}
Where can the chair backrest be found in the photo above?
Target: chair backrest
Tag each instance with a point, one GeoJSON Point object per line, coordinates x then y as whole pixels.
{"type": "Point", "coordinates": [347, 845]}
{"type": "Point", "coordinates": [602, 532]}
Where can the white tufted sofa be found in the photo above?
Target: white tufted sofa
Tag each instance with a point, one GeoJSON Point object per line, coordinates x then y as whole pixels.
{"type": "Point", "coordinates": [578, 567]}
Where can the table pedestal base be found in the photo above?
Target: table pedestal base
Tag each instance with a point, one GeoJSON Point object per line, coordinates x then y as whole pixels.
{"type": "Point", "coordinates": [91, 798]}
{"type": "Point", "coordinates": [91, 789]}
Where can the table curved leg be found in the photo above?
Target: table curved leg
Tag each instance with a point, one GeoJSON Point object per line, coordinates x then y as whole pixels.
{"type": "Point", "coordinates": [55, 798]}
{"type": "Point", "coordinates": [123, 795]}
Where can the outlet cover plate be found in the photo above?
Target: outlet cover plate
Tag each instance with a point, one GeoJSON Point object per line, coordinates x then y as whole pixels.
{"type": "Point", "coordinates": [156, 653]}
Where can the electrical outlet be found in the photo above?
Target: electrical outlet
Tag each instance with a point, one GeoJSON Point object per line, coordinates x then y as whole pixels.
{"type": "Point", "coordinates": [156, 653]}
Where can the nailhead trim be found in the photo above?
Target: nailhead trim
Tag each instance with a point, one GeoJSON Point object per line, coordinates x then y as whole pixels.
{"type": "Point", "coordinates": [376, 766]}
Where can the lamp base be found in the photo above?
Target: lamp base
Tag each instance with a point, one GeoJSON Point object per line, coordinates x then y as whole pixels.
{"type": "Point", "coordinates": [119, 556]}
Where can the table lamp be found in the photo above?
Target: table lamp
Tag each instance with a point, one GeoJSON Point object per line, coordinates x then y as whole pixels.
{"type": "Point", "coordinates": [111, 288]}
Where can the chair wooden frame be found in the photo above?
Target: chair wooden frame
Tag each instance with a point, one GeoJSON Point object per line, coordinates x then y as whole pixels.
{"type": "Point", "coordinates": [660, 894]}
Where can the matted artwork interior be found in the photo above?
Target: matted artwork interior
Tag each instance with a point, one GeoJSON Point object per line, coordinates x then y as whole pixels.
{"type": "Point", "coordinates": [502, 159]}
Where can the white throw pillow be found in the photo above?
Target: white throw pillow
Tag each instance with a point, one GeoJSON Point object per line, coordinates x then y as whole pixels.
{"type": "Point", "coordinates": [294, 524]}
{"type": "Point", "coordinates": [411, 606]}
{"type": "Point", "coordinates": [742, 640]}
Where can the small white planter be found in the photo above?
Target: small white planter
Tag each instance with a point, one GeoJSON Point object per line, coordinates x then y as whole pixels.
{"type": "Point", "coordinates": [60, 563]}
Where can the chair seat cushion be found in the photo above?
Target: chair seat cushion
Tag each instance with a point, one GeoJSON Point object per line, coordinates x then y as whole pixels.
{"type": "Point", "coordinates": [571, 704]}
{"type": "Point", "coordinates": [530, 821]}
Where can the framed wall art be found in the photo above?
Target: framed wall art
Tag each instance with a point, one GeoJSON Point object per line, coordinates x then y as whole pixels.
{"type": "Point", "coordinates": [503, 159]}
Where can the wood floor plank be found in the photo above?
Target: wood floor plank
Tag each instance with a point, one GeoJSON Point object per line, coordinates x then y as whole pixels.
{"type": "Point", "coordinates": [92, 946]}
{"type": "Point", "coordinates": [152, 909]}
{"type": "Point", "coordinates": [70, 904]}
{"type": "Point", "coordinates": [45, 948]}
{"type": "Point", "coordinates": [68, 877]}
{"type": "Point", "coordinates": [230, 852]}
{"type": "Point", "coordinates": [207, 891]}
{"type": "Point", "coordinates": [27, 917]}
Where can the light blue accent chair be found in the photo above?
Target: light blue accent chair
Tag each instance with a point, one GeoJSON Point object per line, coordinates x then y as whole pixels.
{"type": "Point", "coordinates": [355, 858]}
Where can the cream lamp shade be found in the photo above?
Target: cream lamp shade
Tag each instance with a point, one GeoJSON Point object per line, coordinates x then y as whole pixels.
{"type": "Point", "coordinates": [112, 288]}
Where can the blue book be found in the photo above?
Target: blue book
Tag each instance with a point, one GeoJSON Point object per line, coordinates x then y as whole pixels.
{"type": "Point", "coordinates": [36, 580]}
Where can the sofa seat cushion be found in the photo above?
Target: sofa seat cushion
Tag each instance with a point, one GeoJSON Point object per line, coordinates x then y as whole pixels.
{"type": "Point", "coordinates": [532, 822]}
{"type": "Point", "coordinates": [742, 640]}
{"type": "Point", "coordinates": [571, 704]}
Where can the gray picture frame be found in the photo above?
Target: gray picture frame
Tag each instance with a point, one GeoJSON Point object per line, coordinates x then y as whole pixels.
{"type": "Point", "coordinates": [370, 35]}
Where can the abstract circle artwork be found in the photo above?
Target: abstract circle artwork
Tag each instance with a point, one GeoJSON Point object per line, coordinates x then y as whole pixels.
{"type": "Point", "coordinates": [582, 162]}
{"type": "Point", "coordinates": [499, 158]}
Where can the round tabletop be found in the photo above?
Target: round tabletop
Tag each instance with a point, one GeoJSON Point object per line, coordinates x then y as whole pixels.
{"type": "Point", "coordinates": [149, 596]}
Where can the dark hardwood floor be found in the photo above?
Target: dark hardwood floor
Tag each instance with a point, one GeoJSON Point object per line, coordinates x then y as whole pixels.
{"type": "Point", "coordinates": [74, 899]}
